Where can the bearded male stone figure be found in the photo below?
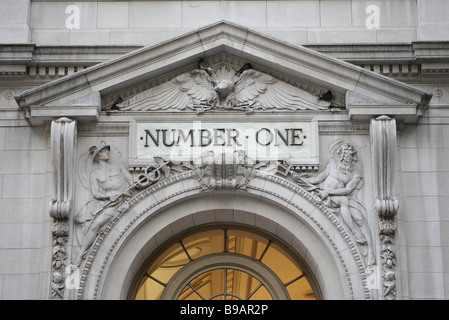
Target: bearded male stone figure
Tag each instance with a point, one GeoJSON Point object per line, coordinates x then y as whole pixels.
{"type": "Point", "coordinates": [340, 179]}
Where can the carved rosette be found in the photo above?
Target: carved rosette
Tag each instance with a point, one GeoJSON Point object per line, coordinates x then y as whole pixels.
{"type": "Point", "coordinates": [383, 142]}
{"type": "Point", "coordinates": [63, 148]}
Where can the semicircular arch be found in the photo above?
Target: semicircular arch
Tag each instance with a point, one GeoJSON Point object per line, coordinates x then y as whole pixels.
{"type": "Point", "coordinates": [179, 203]}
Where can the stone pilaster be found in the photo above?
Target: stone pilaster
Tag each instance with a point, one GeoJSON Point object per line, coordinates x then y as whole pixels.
{"type": "Point", "coordinates": [383, 144]}
{"type": "Point", "coordinates": [63, 151]}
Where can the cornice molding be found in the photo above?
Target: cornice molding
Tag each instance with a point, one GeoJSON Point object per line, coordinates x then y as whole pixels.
{"type": "Point", "coordinates": [151, 62]}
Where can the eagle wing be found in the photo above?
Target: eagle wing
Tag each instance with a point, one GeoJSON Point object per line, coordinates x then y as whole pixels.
{"type": "Point", "coordinates": [263, 91]}
{"type": "Point", "coordinates": [195, 87]}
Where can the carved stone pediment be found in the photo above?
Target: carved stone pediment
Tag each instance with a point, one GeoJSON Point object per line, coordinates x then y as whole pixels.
{"type": "Point", "coordinates": [86, 93]}
{"type": "Point", "coordinates": [223, 88]}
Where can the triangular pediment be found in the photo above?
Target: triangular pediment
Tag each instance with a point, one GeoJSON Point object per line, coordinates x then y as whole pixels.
{"type": "Point", "coordinates": [307, 74]}
{"type": "Point", "coordinates": [227, 84]}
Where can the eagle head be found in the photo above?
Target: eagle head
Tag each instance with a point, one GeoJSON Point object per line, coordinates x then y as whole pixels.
{"type": "Point", "coordinates": [224, 88]}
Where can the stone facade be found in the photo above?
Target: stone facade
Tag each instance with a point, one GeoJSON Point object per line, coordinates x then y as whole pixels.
{"type": "Point", "coordinates": [81, 78]}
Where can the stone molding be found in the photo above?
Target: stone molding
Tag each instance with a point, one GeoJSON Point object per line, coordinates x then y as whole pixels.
{"type": "Point", "coordinates": [57, 97]}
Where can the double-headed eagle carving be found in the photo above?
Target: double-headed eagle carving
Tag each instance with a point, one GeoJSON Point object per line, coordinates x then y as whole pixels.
{"type": "Point", "coordinates": [223, 88]}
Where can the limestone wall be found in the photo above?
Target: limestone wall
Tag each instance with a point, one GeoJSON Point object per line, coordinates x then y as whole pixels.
{"type": "Point", "coordinates": [25, 162]}
{"type": "Point", "coordinates": [148, 22]}
{"type": "Point", "coordinates": [24, 228]}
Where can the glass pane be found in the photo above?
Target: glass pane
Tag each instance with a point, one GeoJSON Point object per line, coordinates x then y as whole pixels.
{"type": "Point", "coordinates": [261, 294]}
{"type": "Point", "coordinates": [239, 286]}
{"type": "Point", "coordinates": [245, 243]}
{"type": "Point", "coordinates": [174, 255]}
{"type": "Point", "coordinates": [169, 263]}
{"type": "Point", "coordinates": [149, 290]}
{"type": "Point", "coordinates": [280, 263]}
{"type": "Point", "coordinates": [204, 243]}
{"type": "Point", "coordinates": [224, 283]}
{"type": "Point", "coordinates": [206, 285]}
{"type": "Point", "coordinates": [165, 274]}
{"type": "Point", "coordinates": [301, 290]}
{"type": "Point", "coordinates": [188, 294]}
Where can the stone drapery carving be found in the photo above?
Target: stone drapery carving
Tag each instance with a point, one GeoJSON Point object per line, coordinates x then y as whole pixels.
{"type": "Point", "coordinates": [336, 187]}
{"type": "Point", "coordinates": [223, 88]}
{"type": "Point", "coordinates": [110, 183]}
{"type": "Point", "coordinates": [383, 144]}
{"type": "Point", "coordinates": [63, 150]}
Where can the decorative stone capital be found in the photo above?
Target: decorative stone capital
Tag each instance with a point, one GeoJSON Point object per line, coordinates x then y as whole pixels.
{"type": "Point", "coordinates": [63, 148]}
{"type": "Point", "coordinates": [60, 209]}
{"type": "Point", "coordinates": [386, 208]}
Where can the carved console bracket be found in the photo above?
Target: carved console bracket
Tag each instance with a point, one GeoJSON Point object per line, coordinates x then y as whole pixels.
{"type": "Point", "coordinates": [383, 143]}
{"type": "Point", "coordinates": [63, 148]}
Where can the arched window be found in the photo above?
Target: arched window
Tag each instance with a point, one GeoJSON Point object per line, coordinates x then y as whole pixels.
{"type": "Point", "coordinates": [226, 263]}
